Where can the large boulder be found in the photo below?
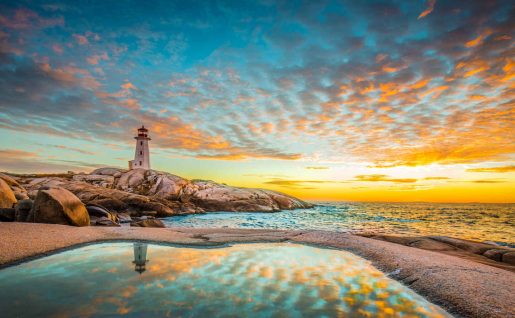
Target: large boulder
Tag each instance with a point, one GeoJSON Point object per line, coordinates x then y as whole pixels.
{"type": "Point", "coordinates": [7, 198]}
{"type": "Point", "coordinates": [58, 206]}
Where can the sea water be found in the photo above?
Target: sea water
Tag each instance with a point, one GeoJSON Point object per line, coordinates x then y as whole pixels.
{"type": "Point", "coordinates": [474, 221]}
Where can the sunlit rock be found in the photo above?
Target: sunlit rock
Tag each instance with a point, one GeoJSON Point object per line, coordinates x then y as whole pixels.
{"type": "Point", "coordinates": [58, 206]}
{"type": "Point", "coordinates": [19, 192]}
{"type": "Point", "coordinates": [7, 198]}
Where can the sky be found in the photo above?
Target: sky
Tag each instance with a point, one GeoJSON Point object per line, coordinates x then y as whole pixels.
{"type": "Point", "coordinates": [324, 100]}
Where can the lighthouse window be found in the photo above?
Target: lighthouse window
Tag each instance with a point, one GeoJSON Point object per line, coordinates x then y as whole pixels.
{"type": "Point", "coordinates": [140, 163]}
{"type": "Point", "coordinates": [141, 152]}
{"type": "Point", "coordinates": [141, 143]}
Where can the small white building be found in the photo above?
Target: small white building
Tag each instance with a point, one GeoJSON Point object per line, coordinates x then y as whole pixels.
{"type": "Point", "coordinates": [142, 154]}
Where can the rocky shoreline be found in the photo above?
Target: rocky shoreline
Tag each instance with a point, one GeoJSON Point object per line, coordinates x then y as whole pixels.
{"type": "Point", "coordinates": [468, 279]}
{"type": "Point", "coordinates": [112, 197]}
{"type": "Point", "coordinates": [462, 286]}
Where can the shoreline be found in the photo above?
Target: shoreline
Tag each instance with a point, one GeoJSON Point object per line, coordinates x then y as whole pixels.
{"type": "Point", "coordinates": [461, 286]}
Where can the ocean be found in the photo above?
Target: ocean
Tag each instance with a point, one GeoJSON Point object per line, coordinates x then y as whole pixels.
{"type": "Point", "coordinates": [472, 221]}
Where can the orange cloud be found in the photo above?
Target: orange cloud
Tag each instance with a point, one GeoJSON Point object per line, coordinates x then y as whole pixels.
{"type": "Point", "coordinates": [479, 39]}
{"type": "Point", "coordinates": [428, 10]}
{"type": "Point", "coordinates": [94, 59]}
{"type": "Point", "coordinates": [128, 86]}
{"type": "Point", "coordinates": [300, 184]}
{"type": "Point", "coordinates": [17, 154]}
{"type": "Point", "coordinates": [421, 83]}
{"type": "Point", "coordinates": [494, 169]}
{"type": "Point", "coordinates": [489, 181]}
{"type": "Point", "coordinates": [436, 91]}
{"type": "Point", "coordinates": [382, 178]}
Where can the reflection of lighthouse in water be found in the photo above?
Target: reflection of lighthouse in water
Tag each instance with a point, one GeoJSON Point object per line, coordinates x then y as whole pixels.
{"type": "Point", "coordinates": [140, 257]}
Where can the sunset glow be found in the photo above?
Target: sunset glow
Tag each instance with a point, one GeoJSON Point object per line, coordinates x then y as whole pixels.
{"type": "Point", "coordinates": [323, 100]}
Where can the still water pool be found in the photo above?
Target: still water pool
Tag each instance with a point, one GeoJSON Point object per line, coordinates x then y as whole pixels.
{"type": "Point", "coordinates": [247, 280]}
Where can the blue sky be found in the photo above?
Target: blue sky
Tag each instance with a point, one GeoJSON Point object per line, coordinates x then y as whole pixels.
{"type": "Point", "coordinates": [257, 93]}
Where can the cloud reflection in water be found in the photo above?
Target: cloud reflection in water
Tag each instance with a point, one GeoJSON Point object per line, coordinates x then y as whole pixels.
{"type": "Point", "coordinates": [251, 280]}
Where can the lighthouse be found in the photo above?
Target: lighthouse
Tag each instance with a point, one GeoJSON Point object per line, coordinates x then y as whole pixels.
{"type": "Point", "coordinates": [140, 257]}
{"type": "Point", "coordinates": [142, 154]}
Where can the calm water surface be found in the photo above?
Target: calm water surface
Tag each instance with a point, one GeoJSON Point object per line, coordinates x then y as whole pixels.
{"type": "Point", "coordinates": [251, 280]}
{"type": "Point", "coordinates": [480, 222]}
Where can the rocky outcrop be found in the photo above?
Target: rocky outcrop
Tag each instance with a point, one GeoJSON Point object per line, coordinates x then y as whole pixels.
{"type": "Point", "coordinates": [7, 198]}
{"type": "Point", "coordinates": [58, 206]}
{"type": "Point", "coordinates": [140, 192]}
{"type": "Point", "coordinates": [150, 190]}
{"type": "Point", "coordinates": [208, 195]}
{"type": "Point", "coordinates": [115, 200]}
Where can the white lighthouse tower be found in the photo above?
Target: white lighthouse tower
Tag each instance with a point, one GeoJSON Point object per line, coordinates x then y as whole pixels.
{"type": "Point", "coordinates": [140, 257]}
{"type": "Point", "coordinates": [142, 154]}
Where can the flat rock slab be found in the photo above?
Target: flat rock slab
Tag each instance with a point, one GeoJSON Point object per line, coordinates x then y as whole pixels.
{"type": "Point", "coordinates": [463, 287]}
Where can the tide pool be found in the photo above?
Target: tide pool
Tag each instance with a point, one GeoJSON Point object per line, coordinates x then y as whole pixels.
{"type": "Point", "coordinates": [244, 280]}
